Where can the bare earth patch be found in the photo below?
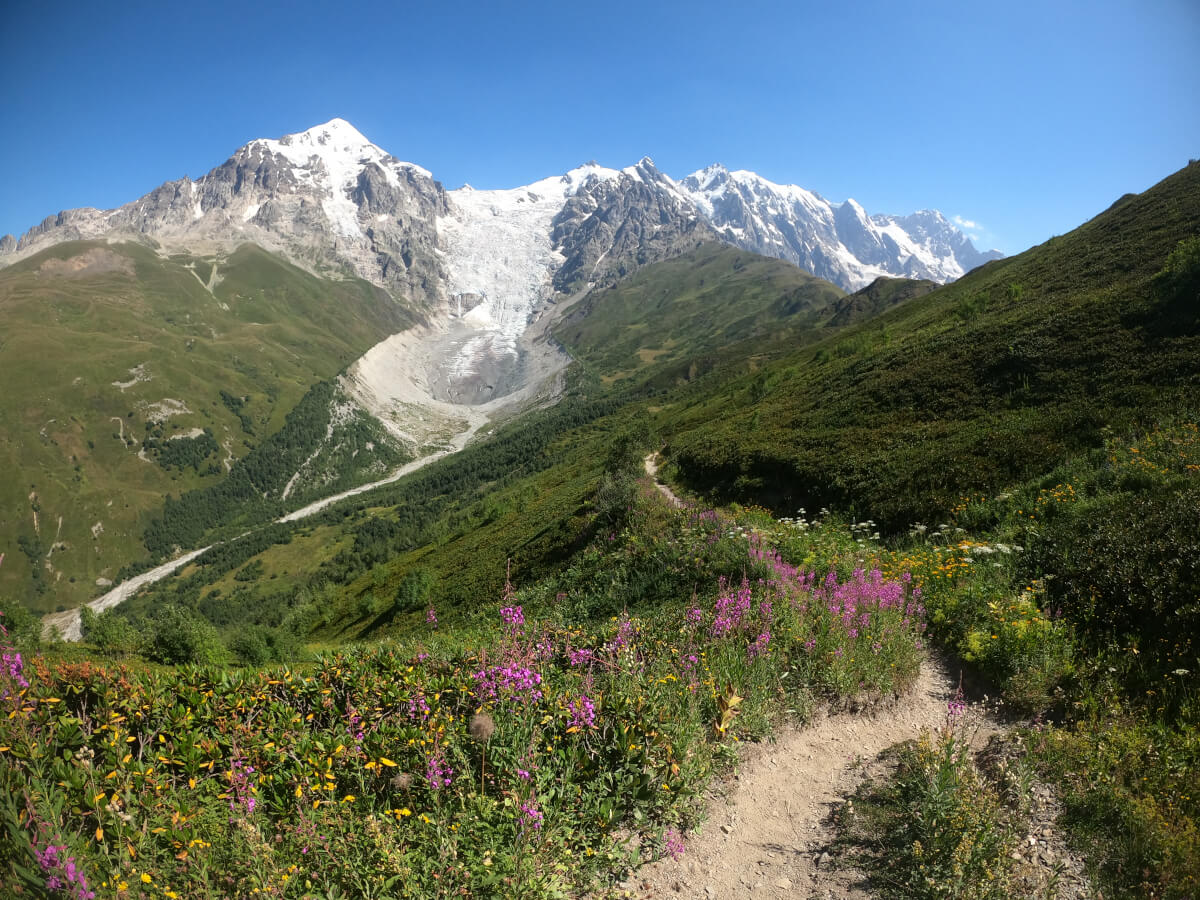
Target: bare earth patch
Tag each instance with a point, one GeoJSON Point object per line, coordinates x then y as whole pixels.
{"type": "Point", "coordinates": [768, 830]}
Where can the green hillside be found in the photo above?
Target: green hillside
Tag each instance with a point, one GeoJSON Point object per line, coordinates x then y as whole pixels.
{"type": "Point", "coordinates": [1042, 411]}
{"type": "Point", "coordinates": [989, 380]}
{"type": "Point", "coordinates": [678, 319]}
{"type": "Point", "coordinates": [128, 375]}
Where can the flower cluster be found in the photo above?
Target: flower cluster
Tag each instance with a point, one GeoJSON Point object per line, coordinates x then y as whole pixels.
{"type": "Point", "coordinates": [731, 607]}
{"type": "Point", "coordinates": [438, 772]}
{"type": "Point", "coordinates": [583, 712]}
{"type": "Point", "coordinates": [759, 646]}
{"type": "Point", "coordinates": [241, 788]}
{"type": "Point", "coordinates": [673, 843]}
{"type": "Point", "coordinates": [513, 616]}
{"type": "Point", "coordinates": [530, 816]}
{"type": "Point", "coordinates": [514, 682]}
{"type": "Point", "coordinates": [61, 872]}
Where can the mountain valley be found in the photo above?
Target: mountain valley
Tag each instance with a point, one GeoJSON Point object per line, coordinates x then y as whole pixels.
{"type": "Point", "coordinates": [495, 523]}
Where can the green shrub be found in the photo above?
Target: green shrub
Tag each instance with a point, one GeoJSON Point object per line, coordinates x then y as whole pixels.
{"type": "Point", "coordinates": [180, 636]}
{"type": "Point", "coordinates": [1178, 282]}
{"type": "Point", "coordinates": [113, 634]}
{"type": "Point", "coordinates": [946, 831]}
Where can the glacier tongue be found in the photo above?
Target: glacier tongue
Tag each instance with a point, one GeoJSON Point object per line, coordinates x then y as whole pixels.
{"type": "Point", "coordinates": [499, 258]}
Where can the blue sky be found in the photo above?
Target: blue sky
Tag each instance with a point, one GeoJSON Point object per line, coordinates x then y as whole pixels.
{"type": "Point", "coordinates": [1024, 119]}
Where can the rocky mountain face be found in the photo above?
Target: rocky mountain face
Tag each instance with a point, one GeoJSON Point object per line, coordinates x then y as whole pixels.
{"type": "Point", "coordinates": [836, 241]}
{"type": "Point", "coordinates": [330, 199]}
{"type": "Point", "coordinates": [327, 197]}
{"type": "Point", "coordinates": [480, 265]}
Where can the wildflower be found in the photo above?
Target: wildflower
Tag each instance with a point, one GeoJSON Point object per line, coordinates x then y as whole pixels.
{"type": "Point", "coordinates": [431, 616]}
{"type": "Point", "coordinates": [956, 707]}
{"type": "Point", "coordinates": [62, 873]}
{"type": "Point", "coordinates": [759, 647]}
{"type": "Point", "coordinates": [513, 616]}
{"type": "Point", "coordinates": [437, 772]}
{"type": "Point", "coordinates": [580, 657]}
{"type": "Point", "coordinates": [530, 816]}
{"type": "Point", "coordinates": [583, 712]}
{"type": "Point", "coordinates": [673, 843]}
{"type": "Point", "coordinates": [512, 682]}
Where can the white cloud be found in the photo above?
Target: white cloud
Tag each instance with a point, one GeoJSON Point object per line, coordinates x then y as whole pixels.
{"type": "Point", "coordinates": [966, 223]}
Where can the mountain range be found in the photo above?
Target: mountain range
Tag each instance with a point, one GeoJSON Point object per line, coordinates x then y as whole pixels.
{"type": "Point", "coordinates": [388, 319]}
{"type": "Point", "coordinates": [329, 197]}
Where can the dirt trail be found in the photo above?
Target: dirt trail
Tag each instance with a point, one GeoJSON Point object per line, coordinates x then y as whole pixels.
{"type": "Point", "coordinates": [768, 827]}
{"type": "Point", "coordinates": [651, 464]}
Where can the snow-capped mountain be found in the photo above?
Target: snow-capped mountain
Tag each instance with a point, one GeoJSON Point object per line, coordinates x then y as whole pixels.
{"type": "Point", "coordinates": [836, 241]}
{"type": "Point", "coordinates": [328, 197]}
{"type": "Point", "coordinates": [480, 263]}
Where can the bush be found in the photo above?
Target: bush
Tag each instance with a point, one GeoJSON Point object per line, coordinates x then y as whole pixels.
{"type": "Point", "coordinates": [1128, 570]}
{"type": "Point", "coordinates": [113, 634]}
{"type": "Point", "coordinates": [1179, 280]}
{"type": "Point", "coordinates": [946, 830]}
{"type": "Point", "coordinates": [181, 637]}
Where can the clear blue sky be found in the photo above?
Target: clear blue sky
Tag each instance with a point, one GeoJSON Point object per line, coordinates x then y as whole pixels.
{"type": "Point", "coordinates": [1025, 118]}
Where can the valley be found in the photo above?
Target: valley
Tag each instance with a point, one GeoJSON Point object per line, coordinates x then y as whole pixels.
{"type": "Point", "coordinates": [425, 542]}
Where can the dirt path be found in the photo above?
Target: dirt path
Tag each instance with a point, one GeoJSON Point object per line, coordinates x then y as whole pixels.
{"type": "Point", "coordinates": [768, 827]}
{"type": "Point", "coordinates": [651, 464]}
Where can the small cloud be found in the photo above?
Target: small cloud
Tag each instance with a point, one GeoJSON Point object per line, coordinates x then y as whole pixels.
{"type": "Point", "coordinates": [966, 223]}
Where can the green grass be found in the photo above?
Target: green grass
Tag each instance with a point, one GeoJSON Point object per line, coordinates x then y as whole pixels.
{"type": "Point", "coordinates": [984, 382]}
{"type": "Point", "coordinates": [268, 334]}
{"type": "Point", "coordinates": [676, 320]}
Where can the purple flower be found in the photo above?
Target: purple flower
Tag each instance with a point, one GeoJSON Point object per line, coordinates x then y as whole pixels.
{"type": "Point", "coordinates": [759, 647]}
{"type": "Point", "coordinates": [431, 616]}
{"type": "Point", "coordinates": [512, 682]}
{"type": "Point", "coordinates": [673, 843]}
{"type": "Point", "coordinates": [530, 816]}
{"type": "Point", "coordinates": [62, 873]}
{"type": "Point", "coordinates": [580, 657]}
{"type": "Point", "coordinates": [437, 772]}
{"type": "Point", "coordinates": [583, 713]}
{"type": "Point", "coordinates": [513, 616]}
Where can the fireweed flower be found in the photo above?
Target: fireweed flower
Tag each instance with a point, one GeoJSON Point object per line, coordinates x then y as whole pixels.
{"type": "Point", "coordinates": [624, 638]}
{"type": "Point", "coordinates": [513, 616]}
{"type": "Point", "coordinates": [438, 772]}
{"type": "Point", "coordinates": [759, 647]}
{"type": "Point", "coordinates": [530, 816]}
{"type": "Point", "coordinates": [956, 707]}
{"type": "Point", "coordinates": [580, 657]}
{"type": "Point", "coordinates": [418, 708]}
{"type": "Point", "coordinates": [583, 713]}
{"type": "Point", "coordinates": [673, 843]}
{"type": "Point", "coordinates": [730, 609]}
{"type": "Point", "coordinates": [242, 788]}
{"type": "Point", "coordinates": [513, 682]}
{"type": "Point", "coordinates": [431, 616]}
{"type": "Point", "coordinates": [61, 872]}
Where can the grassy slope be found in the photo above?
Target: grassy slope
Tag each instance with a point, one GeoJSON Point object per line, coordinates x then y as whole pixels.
{"type": "Point", "coordinates": [523, 496]}
{"type": "Point", "coordinates": [977, 385]}
{"type": "Point", "coordinates": [677, 319]}
{"type": "Point", "coordinates": [987, 381]}
{"type": "Point", "coordinates": [267, 332]}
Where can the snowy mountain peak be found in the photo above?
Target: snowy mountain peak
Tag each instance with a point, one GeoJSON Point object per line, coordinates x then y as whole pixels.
{"type": "Point", "coordinates": [337, 132]}
{"type": "Point", "coordinates": [329, 194]}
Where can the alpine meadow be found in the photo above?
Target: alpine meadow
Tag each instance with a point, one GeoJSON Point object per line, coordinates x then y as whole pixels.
{"type": "Point", "coordinates": [365, 538]}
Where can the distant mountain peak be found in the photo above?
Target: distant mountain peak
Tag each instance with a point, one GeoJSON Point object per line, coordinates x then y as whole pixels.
{"type": "Point", "coordinates": [329, 193]}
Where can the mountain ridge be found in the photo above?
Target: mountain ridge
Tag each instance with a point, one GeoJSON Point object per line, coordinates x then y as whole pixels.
{"type": "Point", "coordinates": [328, 197]}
